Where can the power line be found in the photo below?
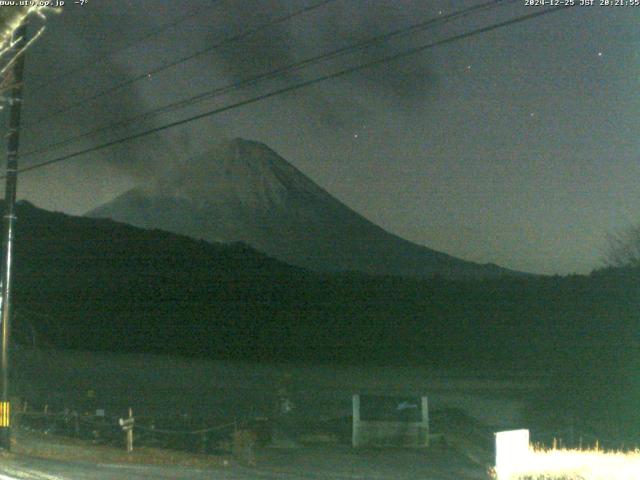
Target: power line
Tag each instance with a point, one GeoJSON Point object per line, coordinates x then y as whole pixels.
{"type": "Point", "coordinates": [150, 34]}
{"type": "Point", "coordinates": [299, 86]}
{"type": "Point", "coordinates": [279, 71]}
{"type": "Point", "coordinates": [146, 75]}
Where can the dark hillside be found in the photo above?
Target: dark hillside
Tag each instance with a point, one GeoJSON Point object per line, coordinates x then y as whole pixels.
{"type": "Point", "coordinates": [106, 285]}
{"type": "Point", "coordinates": [93, 284]}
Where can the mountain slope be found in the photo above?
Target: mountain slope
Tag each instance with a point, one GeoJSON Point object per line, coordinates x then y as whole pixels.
{"type": "Point", "coordinates": [243, 191]}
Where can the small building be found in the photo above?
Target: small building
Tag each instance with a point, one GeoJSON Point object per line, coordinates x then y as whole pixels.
{"type": "Point", "coordinates": [390, 421]}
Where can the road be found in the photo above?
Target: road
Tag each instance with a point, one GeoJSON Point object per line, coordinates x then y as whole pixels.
{"type": "Point", "coordinates": [310, 464]}
{"type": "Point", "coordinates": [39, 469]}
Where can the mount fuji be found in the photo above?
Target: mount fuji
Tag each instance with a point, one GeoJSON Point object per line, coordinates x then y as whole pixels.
{"type": "Point", "coordinates": [243, 191]}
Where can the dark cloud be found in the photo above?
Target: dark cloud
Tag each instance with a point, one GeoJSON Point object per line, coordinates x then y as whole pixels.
{"type": "Point", "coordinates": [269, 49]}
{"type": "Point", "coordinates": [326, 29]}
{"type": "Point", "coordinates": [76, 61]}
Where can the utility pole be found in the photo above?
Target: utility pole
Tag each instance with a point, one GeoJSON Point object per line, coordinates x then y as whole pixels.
{"type": "Point", "coordinates": [19, 41]}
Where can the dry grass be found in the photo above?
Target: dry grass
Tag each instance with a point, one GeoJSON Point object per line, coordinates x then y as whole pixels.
{"type": "Point", "coordinates": [243, 446]}
{"type": "Point", "coordinates": [595, 464]}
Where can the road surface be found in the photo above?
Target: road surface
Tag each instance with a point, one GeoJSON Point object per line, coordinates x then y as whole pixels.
{"type": "Point", "coordinates": [304, 464]}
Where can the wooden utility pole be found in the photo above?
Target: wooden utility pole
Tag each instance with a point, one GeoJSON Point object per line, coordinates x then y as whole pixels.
{"type": "Point", "coordinates": [19, 42]}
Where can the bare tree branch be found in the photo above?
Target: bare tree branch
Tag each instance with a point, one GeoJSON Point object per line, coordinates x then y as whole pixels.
{"type": "Point", "coordinates": [623, 248]}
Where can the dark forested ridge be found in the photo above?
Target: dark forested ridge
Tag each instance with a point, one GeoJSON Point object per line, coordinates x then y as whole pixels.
{"type": "Point", "coordinates": [94, 284]}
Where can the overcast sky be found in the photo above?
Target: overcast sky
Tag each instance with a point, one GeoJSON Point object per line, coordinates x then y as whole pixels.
{"type": "Point", "coordinates": [519, 146]}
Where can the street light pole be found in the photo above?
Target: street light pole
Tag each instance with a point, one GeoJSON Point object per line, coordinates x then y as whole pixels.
{"type": "Point", "coordinates": [13, 137]}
